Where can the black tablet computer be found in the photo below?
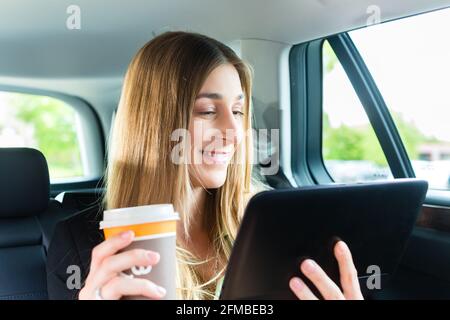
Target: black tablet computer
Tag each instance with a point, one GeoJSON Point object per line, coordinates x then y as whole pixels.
{"type": "Point", "coordinates": [280, 228]}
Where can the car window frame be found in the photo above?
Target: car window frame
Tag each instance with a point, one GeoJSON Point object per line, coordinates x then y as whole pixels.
{"type": "Point", "coordinates": [306, 76]}
{"type": "Point", "coordinates": [93, 139]}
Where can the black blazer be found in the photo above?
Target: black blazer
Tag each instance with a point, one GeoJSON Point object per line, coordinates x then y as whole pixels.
{"type": "Point", "coordinates": [70, 250]}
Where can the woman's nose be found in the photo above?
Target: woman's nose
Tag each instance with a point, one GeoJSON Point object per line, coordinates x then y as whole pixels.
{"type": "Point", "coordinates": [230, 127]}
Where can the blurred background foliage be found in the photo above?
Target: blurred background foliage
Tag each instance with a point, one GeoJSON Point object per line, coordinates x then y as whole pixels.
{"type": "Point", "coordinates": [51, 125]}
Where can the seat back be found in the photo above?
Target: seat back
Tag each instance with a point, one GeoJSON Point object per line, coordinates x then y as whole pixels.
{"type": "Point", "coordinates": [27, 219]}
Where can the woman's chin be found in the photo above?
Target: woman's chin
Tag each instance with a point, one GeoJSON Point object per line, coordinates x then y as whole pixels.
{"type": "Point", "coordinates": [213, 179]}
{"type": "Point", "coordinates": [213, 183]}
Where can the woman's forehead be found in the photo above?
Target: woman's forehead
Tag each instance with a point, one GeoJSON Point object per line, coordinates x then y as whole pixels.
{"type": "Point", "coordinates": [223, 80]}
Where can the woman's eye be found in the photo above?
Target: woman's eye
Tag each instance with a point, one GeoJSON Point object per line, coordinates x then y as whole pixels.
{"type": "Point", "coordinates": [238, 113]}
{"type": "Point", "coordinates": [206, 113]}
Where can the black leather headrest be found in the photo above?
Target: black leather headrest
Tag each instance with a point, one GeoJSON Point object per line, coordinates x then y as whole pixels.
{"type": "Point", "coordinates": [24, 182]}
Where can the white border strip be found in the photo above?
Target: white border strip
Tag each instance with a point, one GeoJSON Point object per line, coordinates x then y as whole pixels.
{"type": "Point", "coordinates": [156, 236]}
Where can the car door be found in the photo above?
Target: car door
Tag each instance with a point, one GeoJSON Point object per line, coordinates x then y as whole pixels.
{"type": "Point", "coordinates": [375, 105]}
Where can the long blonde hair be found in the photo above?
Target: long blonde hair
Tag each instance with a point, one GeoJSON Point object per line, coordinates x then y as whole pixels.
{"type": "Point", "coordinates": [158, 95]}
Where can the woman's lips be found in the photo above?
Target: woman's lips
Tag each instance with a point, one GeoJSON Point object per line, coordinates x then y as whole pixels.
{"type": "Point", "coordinates": [216, 157]}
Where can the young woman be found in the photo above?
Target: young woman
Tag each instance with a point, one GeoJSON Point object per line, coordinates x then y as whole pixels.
{"type": "Point", "coordinates": [177, 81]}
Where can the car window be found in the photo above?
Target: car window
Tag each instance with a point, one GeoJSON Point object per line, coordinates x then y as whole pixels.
{"type": "Point", "coordinates": [409, 60]}
{"type": "Point", "coordinates": [47, 124]}
{"type": "Point", "coordinates": [350, 148]}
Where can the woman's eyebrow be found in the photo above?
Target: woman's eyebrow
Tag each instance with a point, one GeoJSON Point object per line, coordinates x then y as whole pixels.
{"type": "Point", "coordinates": [216, 96]}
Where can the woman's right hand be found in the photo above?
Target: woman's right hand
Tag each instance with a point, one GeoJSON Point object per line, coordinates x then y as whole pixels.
{"type": "Point", "coordinates": [107, 265]}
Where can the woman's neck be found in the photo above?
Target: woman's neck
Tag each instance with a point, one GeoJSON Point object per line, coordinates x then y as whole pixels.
{"type": "Point", "coordinates": [197, 239]}
{"type": "Point", "coordinates": [198, 242]}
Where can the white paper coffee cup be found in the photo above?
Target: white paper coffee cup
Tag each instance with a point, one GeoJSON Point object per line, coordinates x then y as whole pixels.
{"type": "Point", "coordinates": [154, 227]}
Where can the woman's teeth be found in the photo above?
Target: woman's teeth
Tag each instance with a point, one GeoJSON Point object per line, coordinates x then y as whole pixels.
{"type": "Point", "coordinates": [216, 157]}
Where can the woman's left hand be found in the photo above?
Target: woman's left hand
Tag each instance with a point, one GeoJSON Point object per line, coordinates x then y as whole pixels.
{"type": "Point", "coordinates": [327, 288]}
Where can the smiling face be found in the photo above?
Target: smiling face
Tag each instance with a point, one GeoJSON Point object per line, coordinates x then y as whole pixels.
{"type": "Point", "coordinates": [216, 127]}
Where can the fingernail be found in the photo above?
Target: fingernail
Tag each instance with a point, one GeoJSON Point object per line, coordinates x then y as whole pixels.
{"type": "Point", "coordinates": [341, 247]}
{"type": "Point", "coordinates": [297, 283]}
{"type": "Point", "coordinates": [161, 291]}
{"type": "Point", "coordinates": [152, 256]}
{"type": "Point", "coordinates": [309, 265]}
{"type": "Point", "coordinates": [127, 234]}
